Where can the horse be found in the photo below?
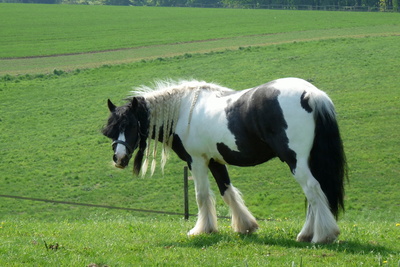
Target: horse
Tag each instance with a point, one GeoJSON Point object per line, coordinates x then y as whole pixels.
{"type": "Point", "coordinates": [209, 126]}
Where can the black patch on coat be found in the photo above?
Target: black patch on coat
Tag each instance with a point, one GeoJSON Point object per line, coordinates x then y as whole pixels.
{"type": "Point", "coordinates": [257, 122]}
{"type": "Point", "coordinates": [220, 174]}
{"type": "Point", "coordinates": [177, 145]}
{"type": "Point", "coordinates": [304, 102]}
{"type": "Point", "coordinates": [180, 150]}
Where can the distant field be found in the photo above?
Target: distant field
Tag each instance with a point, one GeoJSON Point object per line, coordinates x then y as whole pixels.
{"type": "Point", "coordinates": [41, 38]}
{"type": "Point", "coordinates": [39, 30]}
{"type": "Point", "coordinates": [38, 65]}
{"type": "Point", "coordinates": [127, 34]}
{"type": "Point", "coordinates": [51, 148]}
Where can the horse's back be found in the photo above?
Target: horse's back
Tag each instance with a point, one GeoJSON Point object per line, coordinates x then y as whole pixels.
{"type": "Point", "coordinates": [292, 89]}
{"type": "Point", "coordinates": [267, 107]}
{"type": "Point", "coordinates": [251, 126]}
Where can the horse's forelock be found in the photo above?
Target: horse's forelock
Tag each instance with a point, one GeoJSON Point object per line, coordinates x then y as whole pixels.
{"type": "Point", "coordinates": [117, 121]}
{"type": "Point", "coordinates": [111, 127]}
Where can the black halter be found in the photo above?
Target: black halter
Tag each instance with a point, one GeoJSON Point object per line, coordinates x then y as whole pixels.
{"type": "Point", "coordinates": [129, 149]}
{"type": "Point", "coordinates": [127, 146]}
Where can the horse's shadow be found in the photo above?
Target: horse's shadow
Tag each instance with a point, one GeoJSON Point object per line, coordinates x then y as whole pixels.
{"type": "Point", "coordinates": [209, 240]}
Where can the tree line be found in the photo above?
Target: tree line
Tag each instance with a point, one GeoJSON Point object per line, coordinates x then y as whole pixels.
{"type": "Point", "coordinates": [356, 5]}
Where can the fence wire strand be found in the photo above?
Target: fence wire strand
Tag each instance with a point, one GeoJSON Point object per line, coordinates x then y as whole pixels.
{"type": "Point", "coordinates": [93, 205]}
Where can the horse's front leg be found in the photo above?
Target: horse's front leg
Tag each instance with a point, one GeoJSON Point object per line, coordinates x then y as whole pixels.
{"type": "Point", "coordinates": [207, 216]}
{"type": "Point", "coordinates": [242, 219]}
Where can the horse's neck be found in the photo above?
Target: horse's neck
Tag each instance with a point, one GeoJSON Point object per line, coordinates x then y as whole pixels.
{"type": "Point", "coordinates": [165, 107]}
{"type": "Point", "coordinates": [163, 115]}
{"type": "Point", "coordinates": [164, 112]}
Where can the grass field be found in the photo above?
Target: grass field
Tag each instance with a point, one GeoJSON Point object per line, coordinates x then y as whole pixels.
{"type": "Point", "coordinates": [51, 148]}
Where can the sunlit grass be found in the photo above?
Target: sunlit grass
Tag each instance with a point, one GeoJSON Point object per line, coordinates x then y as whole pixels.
{"type": "Point", "coordinates": [121, 240]}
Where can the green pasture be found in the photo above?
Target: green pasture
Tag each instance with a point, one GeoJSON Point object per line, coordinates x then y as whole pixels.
{"type": "Point", "coordinates": [51, 146]}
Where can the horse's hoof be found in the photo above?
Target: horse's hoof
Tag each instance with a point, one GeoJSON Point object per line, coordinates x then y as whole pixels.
{"type": "Point", "coordinates": [193, 232]}
{"type": "Point", "coordinates": [304, 238]}
{"type": "Point", "coordinates": [196, 231]}
{"type": "Point", "coordinates": [248, 230]}
{"type": "Point", "coordinates": [326, 240]}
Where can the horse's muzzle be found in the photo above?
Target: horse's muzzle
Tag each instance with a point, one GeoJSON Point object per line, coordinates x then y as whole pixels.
{"type": "Point", "coordinates": [121, 162]}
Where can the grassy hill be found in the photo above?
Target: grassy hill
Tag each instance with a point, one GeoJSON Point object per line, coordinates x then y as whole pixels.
{"type": "Point", "coordinates": [51, 148]}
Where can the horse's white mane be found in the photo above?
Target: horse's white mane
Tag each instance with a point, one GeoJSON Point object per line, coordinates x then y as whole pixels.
{"type": "Point", "coordinates": [163, 100]}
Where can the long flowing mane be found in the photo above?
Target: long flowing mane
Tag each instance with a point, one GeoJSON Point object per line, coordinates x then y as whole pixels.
{"type": "Point", "coordinates": [163, 101]}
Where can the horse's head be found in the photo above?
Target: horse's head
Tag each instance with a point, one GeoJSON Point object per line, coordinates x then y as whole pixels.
{"type": "Point", "coordinates": [123, 127]}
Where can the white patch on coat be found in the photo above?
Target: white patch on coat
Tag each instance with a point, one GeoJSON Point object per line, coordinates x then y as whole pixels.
{"type": "Point", "coordinates": [210, 127]}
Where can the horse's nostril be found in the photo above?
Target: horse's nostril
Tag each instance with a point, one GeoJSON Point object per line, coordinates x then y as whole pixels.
{"type": "Point", "coordinates": [115, 158]}
{"type": "Point", "coordinates": [125, 161]}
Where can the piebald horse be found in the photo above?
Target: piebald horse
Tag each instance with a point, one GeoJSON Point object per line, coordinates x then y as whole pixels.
{"type": "Point", "coordinates": [209, 126]}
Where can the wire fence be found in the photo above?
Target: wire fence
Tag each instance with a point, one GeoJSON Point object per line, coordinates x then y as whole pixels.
{"type": "Point", "coordinates": [355, 8]}
{"type": "Point", "coordinates": [186, 213]}
{"type": "Point", "coordinates": [93, 205]}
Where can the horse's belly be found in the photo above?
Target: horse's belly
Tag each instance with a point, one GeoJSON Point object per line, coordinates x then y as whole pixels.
{"type": "Point", "coordinates": [251, 156]}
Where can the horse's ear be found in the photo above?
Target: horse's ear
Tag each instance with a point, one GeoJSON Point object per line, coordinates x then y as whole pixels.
{"type": "Point", "coordinates": [134, 103]}
{"type": "Point", "coordinates": [111, 106]}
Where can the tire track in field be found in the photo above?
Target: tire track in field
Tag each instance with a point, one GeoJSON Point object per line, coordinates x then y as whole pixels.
{"type": "Point", "coordinates": [190, 42]}
{"type": "Point", "coordinates": [134, 48]}
{"type": "Point", "coordinates": [84, 60]}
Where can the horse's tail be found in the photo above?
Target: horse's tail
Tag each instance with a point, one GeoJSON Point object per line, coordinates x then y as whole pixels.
{"type": "Point", "coordinates": [327, 158]}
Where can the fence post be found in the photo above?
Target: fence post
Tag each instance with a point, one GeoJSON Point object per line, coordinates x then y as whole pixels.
{"type": "Point", "coordinates": [186, 192]}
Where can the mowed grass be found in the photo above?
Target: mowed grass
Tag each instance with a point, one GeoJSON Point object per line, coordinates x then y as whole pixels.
{"type": "Point", "coordinates": [51, 148]}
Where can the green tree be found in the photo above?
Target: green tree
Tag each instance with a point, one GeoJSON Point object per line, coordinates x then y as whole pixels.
{"type": "Point", "coordinates": [118, 2]}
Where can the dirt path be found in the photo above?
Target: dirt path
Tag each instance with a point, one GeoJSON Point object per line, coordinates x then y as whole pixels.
{"type": "Point", "coordinates": [126, 48]}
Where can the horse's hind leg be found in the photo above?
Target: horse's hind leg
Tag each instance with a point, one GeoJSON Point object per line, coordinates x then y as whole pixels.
{"type": "Point", "coordinates": [242, 220]}
{"type": "Point", "coordinates": [207, 216]}
{"type": "Point", "coordinates": [307, 232]}
{"type": "Point", "coordinates": [320, 225]}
